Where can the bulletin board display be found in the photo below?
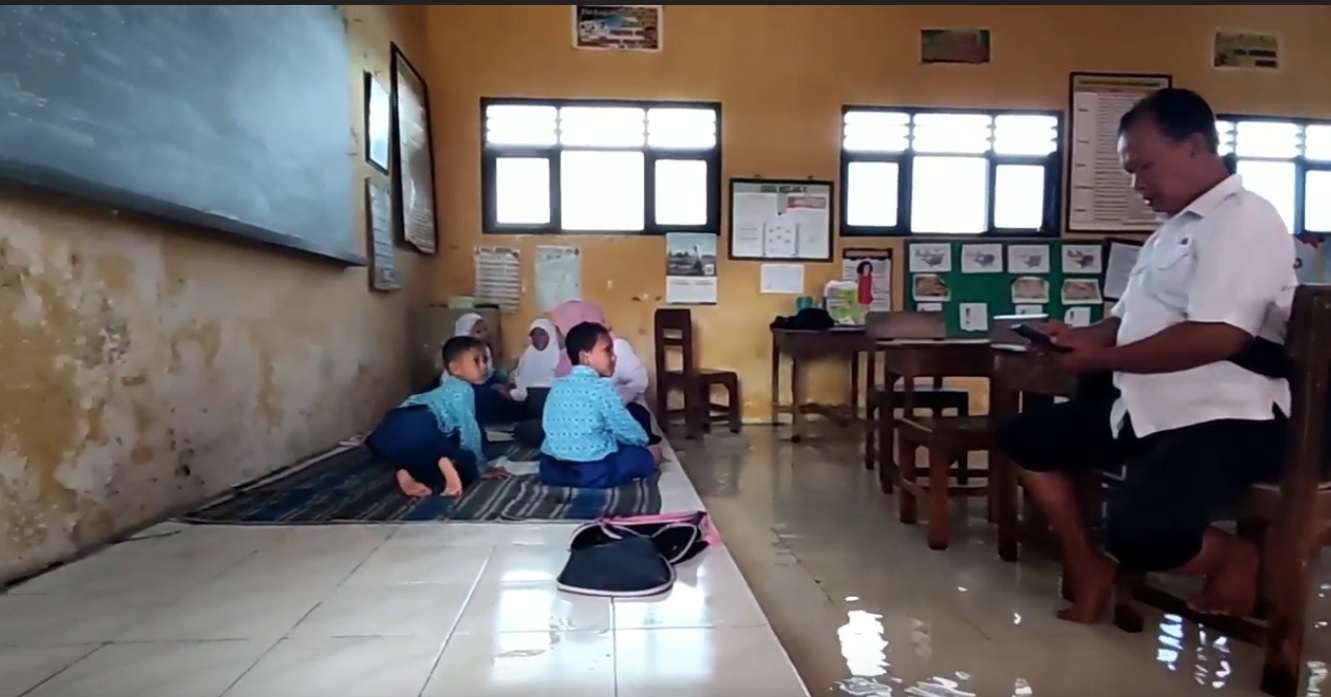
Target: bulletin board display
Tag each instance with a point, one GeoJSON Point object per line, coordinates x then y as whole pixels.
{"type": "Point", "coordinates": [971, 282]}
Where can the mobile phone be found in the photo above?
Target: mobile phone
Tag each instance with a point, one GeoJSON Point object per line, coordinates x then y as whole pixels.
{"type": "Point", "coordinates": [1036, 337]}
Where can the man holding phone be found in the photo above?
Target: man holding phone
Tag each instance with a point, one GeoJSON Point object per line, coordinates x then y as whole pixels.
{"type": "Point", "coordinates": [1197, 428]}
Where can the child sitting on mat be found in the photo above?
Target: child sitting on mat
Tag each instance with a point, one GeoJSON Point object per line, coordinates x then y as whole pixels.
{"type": "Point", "coordinates": [494, 404]}
{"type": "Point", "coordinates": [592, 439]}
{"type": "Point", "coordinates": [630, 377]}
{"type": "Point", "coordinates": [433, 439]}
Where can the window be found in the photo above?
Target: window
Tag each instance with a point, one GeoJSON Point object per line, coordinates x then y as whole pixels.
{"type": "Point", "coordinates": [617, 167]}
{"type": "Point", "coordinates": [1287, 161]}
{"type": "Point", "coordinates": [913, 171]}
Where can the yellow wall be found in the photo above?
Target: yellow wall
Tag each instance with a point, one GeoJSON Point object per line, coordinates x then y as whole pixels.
{"type": "Point", "coordinates": [782, 74]}
{"type": "Point", "coordinates": [143, 368]}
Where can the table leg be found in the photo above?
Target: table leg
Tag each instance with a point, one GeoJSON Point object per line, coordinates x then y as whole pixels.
{"type": "Point", "coordinates": [797, 398]}
{"type": "Point", "coordinates": [776, 383]}
{"type": "Point", "coordinates": [1003, 403]}
{"type": "Point", "coordinates": [870, 410]}
{"type": "Point", "coordinates": [887, 432]}
{"type": "Point", "coordinates": [854, 386]}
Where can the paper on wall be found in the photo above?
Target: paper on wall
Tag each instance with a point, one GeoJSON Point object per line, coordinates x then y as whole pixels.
{"type": "Point", "coordinates": [498, 277]}
{"type": "Point", "coordinates": [558, 276]}
{"type": "Point", "coordinates": [782, 279]}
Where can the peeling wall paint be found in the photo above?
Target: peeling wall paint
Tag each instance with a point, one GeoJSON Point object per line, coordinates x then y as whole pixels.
{"type": "Point", "coordinates": [143, 368]}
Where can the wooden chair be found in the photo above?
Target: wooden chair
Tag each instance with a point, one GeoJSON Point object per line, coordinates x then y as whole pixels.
{"type": "Point", "coordinates": [948, 441]}
{"type": "Point", "coordinates": [929, 393]}
{"type": "Point", "coordinates": [674, 330]}
{"type": "Point", "coordinates": [1291, 519]}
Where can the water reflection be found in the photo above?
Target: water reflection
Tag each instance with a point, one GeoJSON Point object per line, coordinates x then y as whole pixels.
{"type": "Point", "coordinates": [1212, 665]}
{"type": "Point", "coordinates": [863, 645]}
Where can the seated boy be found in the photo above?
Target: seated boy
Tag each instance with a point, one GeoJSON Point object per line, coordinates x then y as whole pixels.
{"type": "Point", "coordinates": [433, 439]}
{"type": "Point", "coordinates": [591, 439]}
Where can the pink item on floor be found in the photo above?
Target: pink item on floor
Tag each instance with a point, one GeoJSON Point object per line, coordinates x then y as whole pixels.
{"type": "Point", "coordinates": [700, 518]}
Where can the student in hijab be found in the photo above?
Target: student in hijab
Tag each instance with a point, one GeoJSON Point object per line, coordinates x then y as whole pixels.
{"type": "Point", "coordinates": [630, 377]}
{"type": "Point", "coordinates": [494, 404]}
{"type": "Point", "coordinates": [536, 368]}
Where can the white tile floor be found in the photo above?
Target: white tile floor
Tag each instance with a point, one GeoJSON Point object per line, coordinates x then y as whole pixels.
{"type": "Point", "coordinates": [423, 609]}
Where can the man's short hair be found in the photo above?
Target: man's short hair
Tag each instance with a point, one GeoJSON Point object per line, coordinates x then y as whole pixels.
{"type": "Point", "coordinates": [1179, 114]}
{"type": "Point", "coordinates": [582, 338]}
{"type": "Point", "coordinates": [455, 347]}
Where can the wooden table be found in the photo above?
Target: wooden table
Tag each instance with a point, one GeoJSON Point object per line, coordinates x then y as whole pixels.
{"type": "Point", "coordinates": [1018, 374]}
{"type": "Point", "coordinates": [908, 360]}
{"type": "Point", "coordinates": [803, 346]}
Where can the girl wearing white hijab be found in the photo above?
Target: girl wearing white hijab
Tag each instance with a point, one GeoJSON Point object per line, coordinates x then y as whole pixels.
{"type": "Point", "coordinates": [536, 368]}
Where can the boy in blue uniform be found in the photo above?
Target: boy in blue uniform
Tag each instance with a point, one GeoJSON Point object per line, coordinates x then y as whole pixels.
{"type": "Point", "coordinates": [433, 439]}
{"type": "Point", "coordinates": [592, 439]}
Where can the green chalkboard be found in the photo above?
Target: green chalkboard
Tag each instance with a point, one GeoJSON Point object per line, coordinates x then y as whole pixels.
{"type": "Point", "coordinates": [974, 281]}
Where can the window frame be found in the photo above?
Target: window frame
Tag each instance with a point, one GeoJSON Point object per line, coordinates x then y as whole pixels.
{"type": "Point", "coordinates": [490, 154]}
{"type": "Point", "coordinates": [1302, 165]}
{"type": "Point", "coordinates": [1053, 187]}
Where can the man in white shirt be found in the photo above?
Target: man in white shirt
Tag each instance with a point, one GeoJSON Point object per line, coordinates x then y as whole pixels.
{"type": "Point", "coordinates": [1197, 428]}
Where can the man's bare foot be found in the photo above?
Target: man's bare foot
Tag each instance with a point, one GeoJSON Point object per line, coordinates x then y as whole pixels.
{"type": "Point", "coordinates": [497, 473]}
{"type": "Point", "coordinates": [410, 486]}
{"type": "Point", "coordinates": [1232, 588]}
{"type": "Point", "coordinates": [452, 481]}
{"type": "Point", "coordinates": [1092, 585]}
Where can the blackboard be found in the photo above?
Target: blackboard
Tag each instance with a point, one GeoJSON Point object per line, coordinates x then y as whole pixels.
{"type": "Point", "coordinates": [235, 118]}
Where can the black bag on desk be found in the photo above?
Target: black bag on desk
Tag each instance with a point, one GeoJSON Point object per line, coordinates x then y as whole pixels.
{"type": "Point", "coordinates": [809, 319]}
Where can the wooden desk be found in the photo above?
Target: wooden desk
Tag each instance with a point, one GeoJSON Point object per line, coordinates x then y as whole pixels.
{"type": "Point", "coordinates": [908, 360]}
{"type": "Point", "coordinates": [803, 346]}
{"type": "Point", "coordinates": [1017, 374]}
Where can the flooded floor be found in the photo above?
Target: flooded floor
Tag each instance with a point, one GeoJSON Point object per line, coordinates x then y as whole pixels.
{"type": "Point", "coordinates": [864, 607]}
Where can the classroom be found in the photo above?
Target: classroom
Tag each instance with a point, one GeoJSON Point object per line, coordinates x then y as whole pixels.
{"type": "Point", "coordinates": [157, 361]}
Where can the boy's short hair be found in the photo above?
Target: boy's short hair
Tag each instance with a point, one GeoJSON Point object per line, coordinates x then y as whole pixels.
{"type": "Point", "coordinates": [457, 346]}
{"type": "Point", "coordinates": [583, 338]}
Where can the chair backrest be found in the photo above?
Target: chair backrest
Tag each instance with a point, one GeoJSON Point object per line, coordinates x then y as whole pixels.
{"type": "Point", "coordinates": [673, 328]}
{"type": "Point", "coordinates": [1308, 342]}
{"type": "Point", "coordinates": [905, 325]}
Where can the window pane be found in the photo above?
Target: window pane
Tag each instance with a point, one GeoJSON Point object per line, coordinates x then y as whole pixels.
{"type": "Point", "coordinates": [876, 131]}
{"type": "Point", "coordinates": [520, 124]}
{"type": "Point", "coordinates": [1025, 134]}
{"type": "Point", "coordinates": [952, 133]}
{"type": "Point", "coordinates": [1317, 201]}
{"type": "Point", "coordinates": [681, 128]}
{"type": "Point", "coordinates": [681, 192]}
{"type": "Point", "coordinates": [1274, 181]}
{"type": "Point", "coordinates": [522, 191]}
{"type": "Point", "coordinates": [601, 191]}
{"type": "Point", "coordinates": [1225, 129]}
{"type": "Point", "coordinates": [871, 194]}
{"type": "Point", "coordinates": [1019, 197]}
{"type": "Point", "coordinates": [602, 126]}
{"type": "Point", "coordinates": [1317, 143]}
{"type": "Point", "coordinates": [1266, 139]}
{"type": "Point", "coordinates": [949, 194]}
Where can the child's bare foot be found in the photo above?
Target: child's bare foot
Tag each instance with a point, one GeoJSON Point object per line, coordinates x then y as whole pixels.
{"type": "Point", "coordinates": [410, 486]}
{"type": "Point", "coordinates": [1232, 589]}
{"type": "Point", "coordinates": [452, 482]}
{"type": "Point", "coordinates": [657, 452]}
{"type": "Point", "coordinates": [497, 473]}
{"type": "Point", "coordinates": [1092, 586]}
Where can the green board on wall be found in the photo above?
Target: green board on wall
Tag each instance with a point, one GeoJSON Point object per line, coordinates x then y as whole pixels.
{"type": "Point", "coordinates": [973, 281]}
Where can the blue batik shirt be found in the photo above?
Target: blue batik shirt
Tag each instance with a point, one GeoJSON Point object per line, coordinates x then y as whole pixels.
{"type": "Point", "coordinates": [585, 420]}
{"type": "Point", "coordinates": [453, 404]}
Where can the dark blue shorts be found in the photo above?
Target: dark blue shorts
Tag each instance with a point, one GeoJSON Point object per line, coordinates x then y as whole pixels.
{"type": "Point", "coordinates": [409, 439]}
{"type": "Point", "coordinates": [627, 464]}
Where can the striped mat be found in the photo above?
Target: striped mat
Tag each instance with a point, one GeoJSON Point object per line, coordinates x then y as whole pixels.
{"type": "Point", "coordinates": [350, 487]}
